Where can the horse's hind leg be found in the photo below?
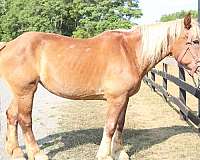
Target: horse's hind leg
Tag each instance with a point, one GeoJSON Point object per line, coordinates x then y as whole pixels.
{"type": "Point", "coordinates": [12, 145]}
{"type": "Point", "coordinates": [25, 102]}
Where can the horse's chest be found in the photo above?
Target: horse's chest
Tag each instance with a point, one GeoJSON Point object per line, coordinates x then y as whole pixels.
{"type": "Point", "coordinates": [135, 88]}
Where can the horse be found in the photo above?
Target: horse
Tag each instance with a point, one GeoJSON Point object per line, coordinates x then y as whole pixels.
{"type": "Point", "coordinates": [109, 66]}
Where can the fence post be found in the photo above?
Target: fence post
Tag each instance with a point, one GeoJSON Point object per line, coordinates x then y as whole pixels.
{"type": "Point", "coordinates": [153, 78]}
{"type": "Point", "coordinates": [164, 79]}
{"type": "Point", "coordinates": [198, 112]}
{"type": "Point", "coordinates": [182, 92]}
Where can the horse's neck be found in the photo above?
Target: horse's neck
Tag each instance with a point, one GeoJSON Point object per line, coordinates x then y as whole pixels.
{"type": "Point", "coordinates": [146, 64]}
{"type": "Point", "coordinates": [142, 62]}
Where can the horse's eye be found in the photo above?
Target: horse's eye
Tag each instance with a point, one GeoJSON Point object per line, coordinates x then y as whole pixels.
{"type": "Point", "coordinates": [196, 41]}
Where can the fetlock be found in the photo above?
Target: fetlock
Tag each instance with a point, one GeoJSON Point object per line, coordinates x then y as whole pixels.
{"type": "Point", "coordinates": [41, 156]}
{"type": "Point", "coordinates": [14, 151]}
{"type": "Point", "coordinates": [37, 156]}
{"type": "Point", "coordinates": [18, 154]}
{"type": "Point", "coordinates": [9, 147]}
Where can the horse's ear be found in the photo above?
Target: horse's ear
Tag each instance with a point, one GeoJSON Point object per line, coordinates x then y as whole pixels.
{"type": "Point", "coordinates": [187, 21]}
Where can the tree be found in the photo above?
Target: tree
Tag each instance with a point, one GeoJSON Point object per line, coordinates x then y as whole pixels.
{"type": "Point", "coordinates": [178, 15]}
{"type": "Point", "coordinates": [35, 15]}
{"type": "Point", "coordinates": [2, 11]}
{"type": "Point", "coordinates": [80, 18]}
{"type": "Point", "coordinates": [97, 16]}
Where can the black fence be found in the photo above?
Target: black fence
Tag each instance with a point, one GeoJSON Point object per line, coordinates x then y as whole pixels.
{"type": "Point", "coordinates": [185, 111]}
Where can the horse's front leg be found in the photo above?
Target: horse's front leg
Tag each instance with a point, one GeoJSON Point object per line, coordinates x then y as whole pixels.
{"type": "Point", "coordinates": [117, 141]}
{"type": "Point", "coordinates": [115, 107]}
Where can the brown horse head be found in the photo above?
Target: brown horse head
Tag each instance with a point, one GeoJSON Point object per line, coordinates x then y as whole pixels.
{"type": "Point", "coordinates": [186, 49]}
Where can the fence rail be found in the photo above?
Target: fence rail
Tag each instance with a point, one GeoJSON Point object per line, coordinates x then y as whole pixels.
{"type": "Point", "coordinates": [184, 87]}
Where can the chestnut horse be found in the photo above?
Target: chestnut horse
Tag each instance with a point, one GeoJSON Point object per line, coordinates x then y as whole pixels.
{"type": "Point", "coordinates": [109, 66]}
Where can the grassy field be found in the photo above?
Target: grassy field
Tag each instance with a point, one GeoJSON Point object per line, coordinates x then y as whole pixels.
{"type": "Point", "coordinates": [153, 130]}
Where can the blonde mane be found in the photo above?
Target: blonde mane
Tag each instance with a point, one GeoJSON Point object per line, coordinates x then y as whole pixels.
{"type": "Point", "coordinates": [157, 38]}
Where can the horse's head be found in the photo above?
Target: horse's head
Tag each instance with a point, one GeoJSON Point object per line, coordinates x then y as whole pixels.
{"type": "Point", "coordinates": [186, 49]}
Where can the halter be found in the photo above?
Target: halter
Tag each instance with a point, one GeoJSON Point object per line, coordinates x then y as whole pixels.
{"type": "Point", "coordinates": [192, 48]}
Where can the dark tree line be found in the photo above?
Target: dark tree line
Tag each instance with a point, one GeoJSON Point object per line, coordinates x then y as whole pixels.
{"type": "Point", "coordinates": [178, 15]}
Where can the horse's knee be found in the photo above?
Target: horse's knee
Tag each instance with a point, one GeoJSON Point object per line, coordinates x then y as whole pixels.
{"type": "Point", "coordinates": [25, 121]}
{"type": "Point", "coordinates": [11, 117]}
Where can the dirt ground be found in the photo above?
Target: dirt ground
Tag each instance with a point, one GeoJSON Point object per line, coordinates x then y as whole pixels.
{"type": "Point", "coordinates": [72, 130]}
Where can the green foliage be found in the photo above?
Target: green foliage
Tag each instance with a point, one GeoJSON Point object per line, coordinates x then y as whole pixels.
{"type": "Point", "coordinates": [97, 16]}
{"type": "Point", "coordinates": [35, 15]}
{"type": "Point", "coordinates": [178, 15]}
{"type": "Point", "coordinates": [80, 18]}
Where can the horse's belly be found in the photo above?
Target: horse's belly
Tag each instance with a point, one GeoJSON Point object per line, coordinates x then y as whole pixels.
{"type": "Point", "coordinates": [72, 88]}
{"type": "Point", "coordinates": [72, 76]}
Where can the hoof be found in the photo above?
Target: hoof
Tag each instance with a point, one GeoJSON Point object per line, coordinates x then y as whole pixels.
{"type": "Point", "coordinates": [17, 154]}
{"type": "Point", "coordinates": [121, 155]}
{"type": "Point", "coordinates": [105, 158]}
{"type": "Point", "coordinates": [22, 158]}
{"type": "Point", "coordinates": [9, 148]}
{"type": "Point", "coordinates": [41, 156]}
{"type": "Point", "coordinates": [109, 158]}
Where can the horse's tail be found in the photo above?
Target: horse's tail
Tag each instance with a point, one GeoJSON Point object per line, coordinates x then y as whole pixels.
{"type": "Point", "coordinates": [2, 45]}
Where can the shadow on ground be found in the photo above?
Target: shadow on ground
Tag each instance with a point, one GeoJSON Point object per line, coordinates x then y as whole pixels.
{"type": "Point", "coordinates": [138, 140]}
